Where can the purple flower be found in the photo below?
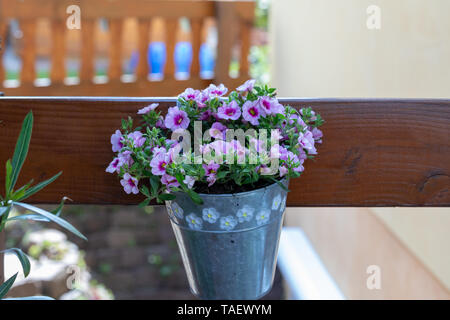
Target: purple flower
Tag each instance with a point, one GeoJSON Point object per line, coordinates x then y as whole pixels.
{"type": "Point", "coordinates": [229, 111]}
{"type": "Point", "coordinates": [189, 181]}
{"type": "Point", "coordinates": [294, 162]}
{"type": "Point", "coordinates": [277, 151]}
{"type": "Point", "coordinates": [138, 139]}
{"type": "Point", "coordinates": [317, 135]}
{"type": "Point", "coordinates": [211, 168]}
{"type": "Point", "coordinates": [204, 116]}
{"type": "Point", "coordinates": [114, 166]}
{"type": "Point", "coordinates": [169, 181]}
{"type": "Point", "coordinates": [148, 108]}
{"type": "Point", "coordinates": [129, 184]}
{"type": "Point", "coordinates": [295, 118]}
{"type": "Point", "coordinates": [234, 147]}
{"type": "Point", "coordinates": [283, 171]}
{"type": "Point", "coordinates": [247, 86]}
{"type": "Point", "coordinates": [202, 99]}
{"type": "Point", "coordinates": [116, 141]}
{"type": "Point", "coordinates": [211, 180]}
{"type": "Point", "coordinates": [270, 105]}
{"type": "Point", "coordinates": [216, 91]}
{"type": "Point", "coordinates": [218, 131]}
{"type": "Point", "coordinates": [251, 112]}
{"type": "Point", "coordinates": [159, 163]}
{"type": "Point", "coordinates": [210, 172]}
{"type": "Point", "coordinates": [176, 119]}
{"type": "Point", "coordinates": [160, 123]}
{"type": "Point", "coordinates": [125, 157]}
{"type": "Point", "coordinates": [306, 140]}
{"type": "Point", "coordinates": [190, 94]}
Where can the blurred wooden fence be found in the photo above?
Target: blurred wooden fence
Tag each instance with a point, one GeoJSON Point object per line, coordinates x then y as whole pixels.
{"type": "Point", "coordinates": [233, 20]}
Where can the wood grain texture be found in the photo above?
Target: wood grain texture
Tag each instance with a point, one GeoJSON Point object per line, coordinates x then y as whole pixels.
{"type": "Point", "coordinates": [375, 152]}
{"type": "Point", "coordinates": [196, 27]}
{"type": "Point", "coordinates": [245, 31]}
{"type": "Point", "coordinates": [171, 31]}
{"type": "Point", "coordinates": [87, 51]}
{"type": "Point", "coordinates": [115, 49]}
{"type": "Point", "coordinates": [109, 9]}
{"type": "Point", "coordinates": [2, 49]}
{"type": "Point", "coordinates": [58, 71]}
{"type": "Point", "coordinates": [28, 72]}
{"type": "Point", "coordinates": [142, 69]}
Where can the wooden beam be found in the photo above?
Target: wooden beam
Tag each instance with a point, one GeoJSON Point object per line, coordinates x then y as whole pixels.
{"type": "Point", "coordinates": [374, 153]}
{"type": "Point", "coordinates": [108, 9]}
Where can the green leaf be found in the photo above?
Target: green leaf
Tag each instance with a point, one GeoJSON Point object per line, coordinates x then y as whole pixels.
{"type": "Point", "coordinates": [22, 258]}
{"type": "Point", "coordinates": [154, 182]}
{"type": "Point", "coordinates": [21, 191]}
{"type": "Point", "coordinates": [195, 197]}
{"type": "Point", "coordinates": [144, 191]}
{"type": "Point", "coordinates": [144, 203]}
{"type": "Point", "coordinates": [4, 210]}
{"type": "Point", "coordinates": [39, 187]}
{"type": "Point", "coordinates": [34, 217]}
{"type": "Point", "coordinates": [8, 177]}
{"type": "Point", "coordinates": [279, 183]}
{"type": "Point", "coordinates": [167, 196]}
{"type": "Point", "coordinates": [63, 223]}
{"type": "Point", "coordinates": [4, 288]}
{"type": "Point", "coordinates": [31, 298]}
{"type": "Point", "coordinates": [58, 210]}
{"type": "Point", "coordinates": [21, 150]}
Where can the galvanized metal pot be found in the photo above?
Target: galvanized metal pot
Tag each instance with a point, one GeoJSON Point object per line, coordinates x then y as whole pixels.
{"type": "Point", "coordinates": [229, 244]}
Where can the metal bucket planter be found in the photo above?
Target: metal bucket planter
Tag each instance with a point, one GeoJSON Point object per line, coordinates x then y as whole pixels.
{"type": "Point", "coordinates": [229, 244]}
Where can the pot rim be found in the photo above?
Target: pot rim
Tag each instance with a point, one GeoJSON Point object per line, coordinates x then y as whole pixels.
{"type": "Point", "coordinates": [230, 195]}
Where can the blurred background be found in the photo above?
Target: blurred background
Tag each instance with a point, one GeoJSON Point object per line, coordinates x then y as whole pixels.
{"type": "Point", "coordinates": [305, 48]}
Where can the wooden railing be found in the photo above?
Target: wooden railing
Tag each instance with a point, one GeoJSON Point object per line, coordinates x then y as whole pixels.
{"type": "Point", "coordinates": [233, 20]}
{"type": "Point", "coordinates": [375, 152]}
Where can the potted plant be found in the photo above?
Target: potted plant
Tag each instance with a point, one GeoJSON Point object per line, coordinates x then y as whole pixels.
{"type": "Point", "coordinates": [14, 197]}
{"type": "Point", "coordinates": [222, 166]}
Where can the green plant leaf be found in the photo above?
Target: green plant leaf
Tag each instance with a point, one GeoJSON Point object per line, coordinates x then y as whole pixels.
{"type": "Point", "coordinates": [34, 217]}
{"type": "Point", "coordinates": [8, 177]}
{"type": "Point", "coordinates": [144, 203]}
{"type": "Point", "coordinates": [21, 150]}
{"type": "Point", "coordinates": [4, 288]}
{"type": "Point", "coordinates": [58, 210]}
{"type": "Point", "coordinates": [21, 191]}
{"type": "Point", "coordinates": [154, 184]}
{"type": "Point", "coordinates": [279, 183]}
{"type": "Point", "coordinates": [4, 210]}
{"type": "Point", "coordinates": [63, 223]}
{"type": "Point", "coordinates": [22, 258]}
{"type": "Point", "coordinates": [167, 196]}
{"type": "Point", "coordinates": [38, 187]}
{"type": "Point", "coordinates": [195, 197]}
{"type": "Point", "coordinates": [31, 298]}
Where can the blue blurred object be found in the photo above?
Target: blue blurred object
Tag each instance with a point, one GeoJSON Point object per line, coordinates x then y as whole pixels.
{"type": "Point", "coordinates": [207, 61]}
{"type": "Point", "coordinates": [157, 57]}
{"type": "Point", "coordinates": [183, 58]}
{"type": "Point", "coordinates": [133, 62]}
